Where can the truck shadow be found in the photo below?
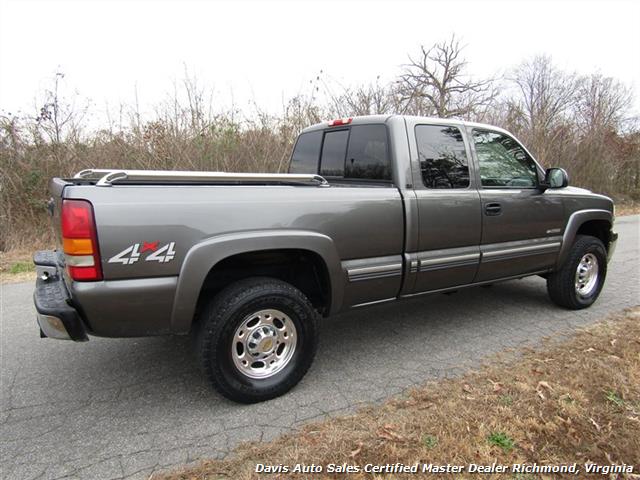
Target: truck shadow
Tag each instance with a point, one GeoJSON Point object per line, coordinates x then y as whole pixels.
{"type": "Point", "coordinates": [399, 343]}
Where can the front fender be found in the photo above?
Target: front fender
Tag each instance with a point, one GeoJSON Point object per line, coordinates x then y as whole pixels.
{"type": "Point", "coordinates": [577, 219]}
{"type": "Point", "coordinates": [202, 257]}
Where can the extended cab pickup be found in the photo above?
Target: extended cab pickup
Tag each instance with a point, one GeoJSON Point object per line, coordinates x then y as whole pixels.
{"type": "Point", "coordinates": [373, 209]}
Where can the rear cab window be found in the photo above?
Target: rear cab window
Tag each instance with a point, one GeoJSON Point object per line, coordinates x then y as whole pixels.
{"type": "Point", "coordinates": [306, 153]}
{"type": "Point", "coordinates": [358, 153]}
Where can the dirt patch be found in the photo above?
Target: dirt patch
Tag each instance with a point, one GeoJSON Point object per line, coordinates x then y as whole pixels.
{"type": "Point", "coordinates": [572, 400]}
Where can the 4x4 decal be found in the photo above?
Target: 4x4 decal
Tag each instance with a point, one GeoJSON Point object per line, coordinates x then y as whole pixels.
{"type": "Point", "coordinates": [132, 254]}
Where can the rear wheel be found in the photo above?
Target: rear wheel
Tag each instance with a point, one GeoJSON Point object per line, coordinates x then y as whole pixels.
{"type": "Point", "coordinates": [257, 339]}
{"type": "Point", "coordinates": [578, 283]}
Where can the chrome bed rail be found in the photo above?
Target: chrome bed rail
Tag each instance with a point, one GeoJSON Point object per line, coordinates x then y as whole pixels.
{"type": "Point", "coordinates": [109, 177]}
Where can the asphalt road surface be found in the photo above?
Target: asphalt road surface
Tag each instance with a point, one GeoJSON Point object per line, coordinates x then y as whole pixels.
{"type": "Point", "coordinates": [124, 408]}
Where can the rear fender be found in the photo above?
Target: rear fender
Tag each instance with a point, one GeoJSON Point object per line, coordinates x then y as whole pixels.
{"type": "Point", "coordinates": [202, 257]}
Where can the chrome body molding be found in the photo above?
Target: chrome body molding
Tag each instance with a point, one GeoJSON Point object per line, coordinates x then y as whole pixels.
{"type": "Point", "coordinates": [373, 272]}
{"type": "Point", "coordinates": [449, 261]}
{"type": "Point", "coordinates": [510, 250]}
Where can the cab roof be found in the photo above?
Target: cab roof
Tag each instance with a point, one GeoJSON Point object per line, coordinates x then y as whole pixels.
{"type": "Point", "coordinates": [368, 119]}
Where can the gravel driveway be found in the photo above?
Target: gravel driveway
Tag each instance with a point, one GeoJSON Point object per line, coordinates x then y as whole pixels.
{"type": "Point", "coordinates": [123, 408]}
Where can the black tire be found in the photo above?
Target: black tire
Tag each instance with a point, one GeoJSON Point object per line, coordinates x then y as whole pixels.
{"type": "Point", "coordinates": [561, 284]}
{"type": "Point", "coordinates": [217, 324]}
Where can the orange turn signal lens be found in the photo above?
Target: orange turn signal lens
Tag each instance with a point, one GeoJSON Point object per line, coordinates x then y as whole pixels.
{"type": "Point", "coordinates": [77, 246]}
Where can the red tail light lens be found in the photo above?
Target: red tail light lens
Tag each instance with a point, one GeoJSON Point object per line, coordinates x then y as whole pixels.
{"type": "Point", "coordinates": [80, 241]}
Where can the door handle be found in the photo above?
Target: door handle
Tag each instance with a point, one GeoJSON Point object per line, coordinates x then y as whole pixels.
{"type": "Point", "coordinates": [492, 209]}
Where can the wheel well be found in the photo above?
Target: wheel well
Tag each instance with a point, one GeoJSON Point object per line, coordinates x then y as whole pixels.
{"type": "Point", "coordinates": [597, 228]}
{"type": "Point", "coordinates": [303, 269]}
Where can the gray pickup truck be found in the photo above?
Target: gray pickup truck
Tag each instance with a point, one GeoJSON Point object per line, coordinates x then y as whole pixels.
{"type": "Point", "coordinates": [373, 209]}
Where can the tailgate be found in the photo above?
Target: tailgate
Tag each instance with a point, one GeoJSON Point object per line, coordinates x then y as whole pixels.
{"type": "Point", "coordinates": [54, 206]}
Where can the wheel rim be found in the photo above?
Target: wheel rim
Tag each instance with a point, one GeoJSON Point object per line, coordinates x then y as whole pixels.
{"type": "Point", "coordinates": [264, 343]}
{"type": "Point", "coordinates": [587, 275]}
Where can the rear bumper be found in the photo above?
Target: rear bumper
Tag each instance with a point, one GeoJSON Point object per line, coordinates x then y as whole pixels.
{"type": "Point", "coordinates": [55, 314]}
{"type": "Point", "coordinates": [612, 245]}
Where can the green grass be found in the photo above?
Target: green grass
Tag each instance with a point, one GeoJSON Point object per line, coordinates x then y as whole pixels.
{"type": "Point", "coordinates": [506, 400]}
{"type": "Point", "coordinates": [22, 267]}
{"type": "Point", "coordinates": [501, 440]}
{"type": "Point", "coordinates": [430, 441]}
{"type": "Point", "coordinates": [614, 398]}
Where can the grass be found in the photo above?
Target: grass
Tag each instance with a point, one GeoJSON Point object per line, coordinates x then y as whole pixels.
{"type": "Point", "coordinates": [614, 398]}
{"type": "Point", "coordinates": [430, 441]}
{"type": "Point", "coordinates": [16, 266]}
{"type": "Point", "coordinates": [502, 440]}
{"type": "Point", "coordinates": [570, 400]}
{"type": "Point", "coordinates": [22, 267]}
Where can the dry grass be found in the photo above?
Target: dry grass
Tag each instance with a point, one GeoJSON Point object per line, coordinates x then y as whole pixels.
{"type": "Point", "coordinates": [628, 208]}
{"type": "Point", "coordinates": [577, 400]}
{"type": "Point", "coordinates": [16, 266]}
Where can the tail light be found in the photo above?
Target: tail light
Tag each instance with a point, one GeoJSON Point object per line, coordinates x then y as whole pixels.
{"type": "Point", "coordinates": [79, 241]}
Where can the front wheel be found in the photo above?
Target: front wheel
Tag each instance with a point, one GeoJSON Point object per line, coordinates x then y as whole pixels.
{"type": "Point", "coordinates": [578, 283]}
{"type": "Point", "coordinates": [257, 339]}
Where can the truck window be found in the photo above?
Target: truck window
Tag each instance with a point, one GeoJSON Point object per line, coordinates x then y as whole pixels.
{"type": "Point", "coordinates": [333, 152]}
{"type": "Point", "coordinates": [306, 153]}
{"type": "Point", "coordinates": [367, 155]}
{"type": "Point", "coordinates": [503, 162]}
{"type": "Point", "coordinates": [442, 156]}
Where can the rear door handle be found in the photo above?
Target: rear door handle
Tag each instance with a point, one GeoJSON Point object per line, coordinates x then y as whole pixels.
{"type": "Point", "coordinates": [492, 209]}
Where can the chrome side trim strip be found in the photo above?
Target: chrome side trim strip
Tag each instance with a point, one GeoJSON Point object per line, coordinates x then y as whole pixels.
{"type": "Point", "coordinates": [414, 266]}
{"type": "Point", "coordinates": [451, 259]}
{"type": "Point", "coordinates": [521, 251]}
{"type": "Point", "coordinates": [449, 262]}
{"type": "Point", "coordinates": [373, 272]}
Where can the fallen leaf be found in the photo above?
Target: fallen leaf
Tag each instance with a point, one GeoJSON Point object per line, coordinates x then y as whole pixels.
{"type": "Point", "coordinates": [356, 451]}
{"type": "Point", "coordinates": [387, 432]}
{"type": "Point", "coordinates": [544, 384]}
{"type": "Point", "coordinates": [467, 388]}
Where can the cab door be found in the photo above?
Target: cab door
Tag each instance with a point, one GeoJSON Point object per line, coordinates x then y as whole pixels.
{"type": "Point", "coordinates": [521, 223]}
{"type": "Point", "coordinates": [448, 204]}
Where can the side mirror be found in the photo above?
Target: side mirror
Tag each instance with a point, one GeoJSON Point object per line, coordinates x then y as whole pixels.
{"type": "Point", "coordinates": [556, 178]}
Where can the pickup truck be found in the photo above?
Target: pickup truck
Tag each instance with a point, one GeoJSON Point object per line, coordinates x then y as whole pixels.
{"type": "Point", "coordinates": [374, 209]}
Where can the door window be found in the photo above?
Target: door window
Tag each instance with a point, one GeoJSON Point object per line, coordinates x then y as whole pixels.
{"type": "Point", "coordinates": [442, 155]}
{"type": "Point", "coordinates": [503, 162]}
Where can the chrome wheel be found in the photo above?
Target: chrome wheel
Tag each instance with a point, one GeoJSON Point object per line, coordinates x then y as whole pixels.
{"type": "Point", "coordinates": [264, 343]}
{"type": "Point", "coordinates": [587, 275]}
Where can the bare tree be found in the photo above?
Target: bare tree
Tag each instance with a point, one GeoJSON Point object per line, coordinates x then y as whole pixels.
{"type": "Point", "coordinates": [60, 117]}
{"type": "Point", "coordinates": [370, 99]}
{"type": "Point", "coordinates": [602, 103]}
{"type": "Point", "coordinates": [436, 83]}
{"type": "Point", "coordinates": [544, 99]}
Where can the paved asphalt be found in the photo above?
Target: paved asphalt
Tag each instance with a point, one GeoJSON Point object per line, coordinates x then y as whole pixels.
{"type": "Point", "coordinates": [123, 408]}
